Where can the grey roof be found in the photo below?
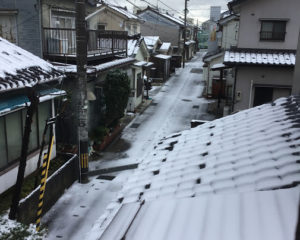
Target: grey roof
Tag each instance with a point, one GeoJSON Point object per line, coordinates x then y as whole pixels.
{"type": "Point", "coordinates": [251, 151]}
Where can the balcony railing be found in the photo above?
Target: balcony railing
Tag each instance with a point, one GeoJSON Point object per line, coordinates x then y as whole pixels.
{"type": "Point", "coordinates": [62, 42]}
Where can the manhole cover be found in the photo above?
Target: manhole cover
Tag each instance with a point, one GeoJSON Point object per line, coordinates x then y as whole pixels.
{"type": "Point", "coordinates": [196, 106]}
{"type": "Point", "coordinates": [135, 125]}
{"type": "Point", "coordinates": [153, 104]}
{"type": "Point", "coordinates": [186, 100]}
{"type": "Point", "coordinates": [196, 70]}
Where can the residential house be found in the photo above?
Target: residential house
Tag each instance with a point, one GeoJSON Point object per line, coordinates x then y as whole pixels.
{"type": "Point", "coordinates": [265, 55]}
{"type": "Point", "coordinates": [162, 62]}
{"type": "Point", "coordinates": [137, 49]}
{"type": "Point", "coordinates": [110, 17]}
{"type": "Point", "coordinates": [20, 69]}
{"type": "Point", "coordinates": [219, 78]}
{"type": "Point", "coordinates": [96, 75]}
{"type": "Point", "coordinates": [239, 174]}
{"type": "Point", "coordinates": [22, 22]}
{"type": "Point", "coordinates": [169, 28]}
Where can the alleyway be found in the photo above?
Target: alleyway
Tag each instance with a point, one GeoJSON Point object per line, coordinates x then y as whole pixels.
{"type": "Point", "coordinates": [174, 105]}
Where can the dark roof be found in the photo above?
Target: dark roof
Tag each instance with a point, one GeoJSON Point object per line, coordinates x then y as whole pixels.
{"type": "Point", "coordinates": [234, 3]}
{"type": "Point", "coordinates": [19, 68]}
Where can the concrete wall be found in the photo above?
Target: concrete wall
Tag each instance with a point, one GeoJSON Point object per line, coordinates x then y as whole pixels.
{"type": "Point", "coordinates": [28, 24]}
{"type": "Point", "coordinates": [56, 184]}
{"type": "Point", "coordinates": [277, 76]}
{"type": "Point", "coordinates": [250, 26]}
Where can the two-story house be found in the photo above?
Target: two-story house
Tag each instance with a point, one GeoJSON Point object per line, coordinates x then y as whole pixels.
{"type": "Point", "coordinates": [47, 28]}
{"type": "Point", "coordinates": [169, 28]}
{"type": "Point", "coordinates": [265, 55]}
{"type": "Point", "coordinates": [111, 17]}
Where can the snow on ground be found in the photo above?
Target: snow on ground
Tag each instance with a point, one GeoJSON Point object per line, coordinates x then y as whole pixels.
{"type": "Point", "coordinates": [75, 212]}
{"type": "Point", "coordinates": [177, 103]}
{"type": "Point", "coordinates": [173, 107]}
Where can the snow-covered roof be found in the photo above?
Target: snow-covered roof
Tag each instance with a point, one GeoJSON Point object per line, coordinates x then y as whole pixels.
{"type": "Point", "coordinates": [218, 66]}
{"type": "Point", "coordinates": [165, 46]}
{"type": "Point", "coordinates": [132, 47]}
{"type": "Point", "coordinates": [260, 57]}
{"type": "Point", "coordinates": [118, 9]}
{"type": "Point", "coordinates": [173, 18]}
{"type": "Point", "coordinates": [163, 56]}
{"type": "Point", "coordinates": [151, 40]}
{"type": "Point", "coordinates": [67, 68]}
{"type": "Point", "coordinates": [20, 68]}
{"type": "Point", "coordinates": [190, 42]}
{"type": "Point", "coordinates": [224, 165]}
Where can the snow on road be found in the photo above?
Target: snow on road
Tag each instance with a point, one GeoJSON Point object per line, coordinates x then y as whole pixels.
{"type": "Point", "coordinates": [174, 106]}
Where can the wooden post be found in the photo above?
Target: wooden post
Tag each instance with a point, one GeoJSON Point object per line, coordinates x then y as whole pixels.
{"type": "Point", "coordinates": [34, 101]}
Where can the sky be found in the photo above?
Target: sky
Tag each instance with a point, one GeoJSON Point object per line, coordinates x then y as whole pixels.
{"type": "Point", "coordinates": [198, 9]}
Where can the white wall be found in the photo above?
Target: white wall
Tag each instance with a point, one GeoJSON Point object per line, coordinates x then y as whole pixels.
{"type": "Point", "coordinates": [250, 26]}
{"type": "Point", "coordinates": [277, 76]}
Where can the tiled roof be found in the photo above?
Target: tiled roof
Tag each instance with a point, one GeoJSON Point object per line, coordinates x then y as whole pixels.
{"type": "Point", "coordinates": [19, 68]}
{"type": "Point", "coordinates": [253, 150]}
{"type": "Point", "coordinates": [246, 216]}
{"type": "Point", "coordinates": [260, 57]}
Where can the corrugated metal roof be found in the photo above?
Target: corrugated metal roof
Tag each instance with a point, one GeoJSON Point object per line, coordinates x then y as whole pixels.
{"type": "Point", "coordinates": [247, 216]}
{"type": "Point", "coordinates": [19, 68]}
{"type": "Point", "coordinates": [260, 58]}
{"type": "Point", "coordinates": [251, 151]}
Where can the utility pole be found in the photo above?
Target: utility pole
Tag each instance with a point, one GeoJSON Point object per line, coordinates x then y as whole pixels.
{"type": "Point", "coordinates": [184, 33]}
{"type": "Point", "coordinates": [82, 105]}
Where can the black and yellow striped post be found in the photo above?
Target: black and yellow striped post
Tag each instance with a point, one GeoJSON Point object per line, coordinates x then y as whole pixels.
{"type": "Point", "coordinates": [44, 176]}
{"type": "Point", "coordinates": [84, 162]}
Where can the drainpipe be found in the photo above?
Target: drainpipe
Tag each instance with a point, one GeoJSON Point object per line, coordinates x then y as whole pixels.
{"type": "Point", "coordinates": [234, 89]}
{"type": "Point", "coordinates": [250, 97]}
{"type": "Point", "coordinates": [296, 78]}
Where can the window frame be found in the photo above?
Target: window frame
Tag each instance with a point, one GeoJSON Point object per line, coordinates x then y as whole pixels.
{"type": "Point", "coordinates": [39, 137]}
{"type": "Point", "coordinates": [280, 38]}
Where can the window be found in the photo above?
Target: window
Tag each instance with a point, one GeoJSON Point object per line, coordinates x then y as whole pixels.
{"type": "Point", "coordinates": [8, 27]}
{"type": "Point", "coordinates": [3, 154]}
{"type": "Point", "coordinates": [12, 129]}
{"type": "Point", "coordinates": [14, 135]}
{"type": "Point", "coordinates": [273, 30]}
{"type": "Point", "coordinates": [101, 27]}
{"type": "Point", "coordinates": [62, 19]}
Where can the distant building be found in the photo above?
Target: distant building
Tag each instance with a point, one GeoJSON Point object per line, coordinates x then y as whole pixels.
{"type": "Point", "coordinates": [215, 13]}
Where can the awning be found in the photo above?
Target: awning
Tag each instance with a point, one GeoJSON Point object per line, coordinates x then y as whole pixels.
{"type": "Point", "coordinates": [12, 103]}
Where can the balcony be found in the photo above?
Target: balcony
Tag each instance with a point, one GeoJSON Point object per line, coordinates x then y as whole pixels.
{"type": "Point", "coordinates": [59, 44]}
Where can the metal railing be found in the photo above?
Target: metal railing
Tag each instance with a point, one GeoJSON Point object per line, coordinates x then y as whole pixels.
{"type": "Point", "coordinates": [62, 42]}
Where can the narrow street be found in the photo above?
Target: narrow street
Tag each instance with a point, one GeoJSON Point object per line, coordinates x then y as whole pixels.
{"type": "Point", "coordinates": [174, 105]}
